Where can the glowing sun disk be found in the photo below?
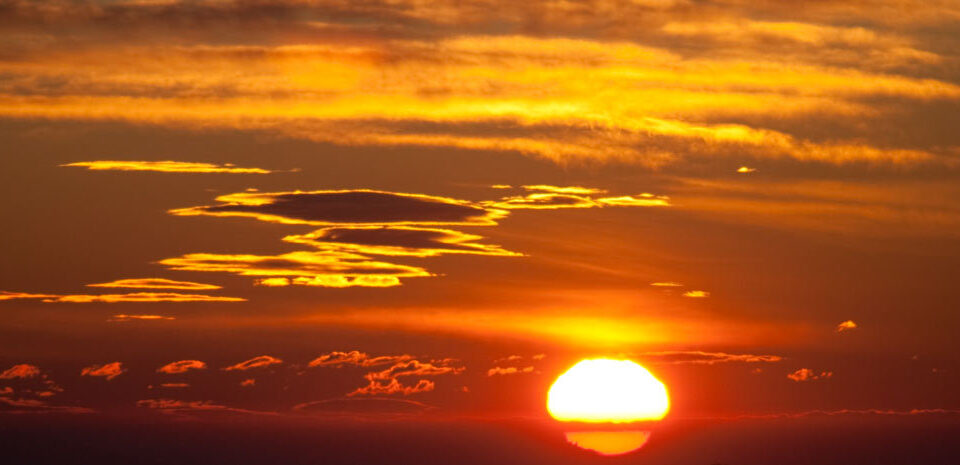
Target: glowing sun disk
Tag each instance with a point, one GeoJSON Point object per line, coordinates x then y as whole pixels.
{"type": "Point", "coordinates": [604, 390]}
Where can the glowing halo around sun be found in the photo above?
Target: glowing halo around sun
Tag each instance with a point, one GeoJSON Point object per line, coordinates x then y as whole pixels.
{"type": "Point", "coordinates": [607, 391]}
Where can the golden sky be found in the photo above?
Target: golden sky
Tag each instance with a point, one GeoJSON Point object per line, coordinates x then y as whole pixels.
{"type": "Point", "coordinates": [293, 207]}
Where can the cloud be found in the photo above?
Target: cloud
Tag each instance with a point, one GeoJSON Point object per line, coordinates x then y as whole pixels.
{"type": "Point", "coordinates": [543, 201]}
{"type": "Point", "coordinates": [745, 169]}
{"type": "Point", "coordinates": [357, 207]}
{"type": "Point", "coordinates": [666, 284]}
{"type": "Point", "coordinates": [327, 269]}
{"type": "Point", "coordinates": [357, 358]}
{"type": "Point", "coordinates": [179, 407]}
{"type": "Point", "coordinates": [25, 406]}
{"type": "Point", "coordinates": [806, 374]}
{"type": "Point", "coordinates": [363, 405]}
{"type": "Point", "coordinates": [398, 241]}
{"type": "Point", "coordinates": [256, 362]}
{"type": "Point", "coordinates": [20, 371]}
{"type": "Point", "coordinates": [697, 357]}
{"type": "Point", "coordinates": [696, 294]}
{"type": "Point", "coordinates": [175, 385]}
{"type": "Point", "coordinates": [387, 381]}
{"type": "Point", "coordinates": [575, 190]}
{"type": "Point", "coordinates": [108, 371]}
{"type": "Point", "coordinates": [156, 283]}
{"type": "Point", "coordinates": [509, 370]}
{"type": "Point", "coordinates": [182, 366]}
{"type": "Point", "coordinates": [121, 317]}
{"type": "Point", "coordinates": [868, 412]}
{"type": "Point", "coordinates": [248, 382]}
{"type": "Point", "coordinates": [846, 326]}
{"type": "Point", "coordinates": [575, 197]}
{"type": "Point", "coordinates": [165, 167]}
{"type": "Point", "coordinates": [114, 298]}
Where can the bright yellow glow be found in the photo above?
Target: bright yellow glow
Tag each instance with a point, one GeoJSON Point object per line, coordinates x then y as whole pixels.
{"type": "Point", "coordinates": [609, 442]}
{"type": "Point", "coordinates": [604, 390]}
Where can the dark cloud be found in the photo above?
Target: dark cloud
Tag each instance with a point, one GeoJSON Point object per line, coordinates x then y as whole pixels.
{"type": "Point", "coordinates": [354, 207]}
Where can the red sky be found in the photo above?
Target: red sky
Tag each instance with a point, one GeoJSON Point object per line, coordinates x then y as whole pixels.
{"type": "Point", "coordinates": [402, 209]}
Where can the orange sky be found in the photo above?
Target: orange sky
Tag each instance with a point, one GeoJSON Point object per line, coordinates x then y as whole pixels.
{"type": "Point", "coordinates": [281, 206]}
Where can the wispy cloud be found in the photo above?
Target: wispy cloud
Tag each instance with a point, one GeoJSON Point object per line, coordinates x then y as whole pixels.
{"type": "Point", "coordinates": [256, 362]}
{"type": "Point", "coordinates": [156, 283]}
{"type": "Point", "coordinates": [697, 357]}
{"type": "Point", "coordinates": [398, 241]}
{"type": "Point", "coordinates": [165, 167]}
{"type": "Point", "coordinates": [121, 317]}
{"type": "Point", "coordinates": [114, 298]}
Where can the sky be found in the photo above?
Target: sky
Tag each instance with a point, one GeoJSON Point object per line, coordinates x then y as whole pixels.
{"type": "Point", "coordinates": [387, 216]}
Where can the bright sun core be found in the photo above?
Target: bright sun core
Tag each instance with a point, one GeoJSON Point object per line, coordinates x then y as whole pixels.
{"type": "Point", "coordinates": [603, 390]}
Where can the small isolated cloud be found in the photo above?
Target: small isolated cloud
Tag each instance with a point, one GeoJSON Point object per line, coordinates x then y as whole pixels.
{"type": "Point", "coordinates": [156, 283]}
{"type": "Point", "coordinates": [846, 326]}
{"type": "Point", "coordinates": [806, 374]}
{"type": "Point", "coordinates": [357, 207]}
{"type": "Point", "coordinates": [20, 372]}
{"type": "Point", "coordinates": [165, 167]}
{"type": "Point", "coordinates": [698, 357]}
{"type": "Point", "coordinates": [696, 294]}
{"type": "Point", "coordinates": [124, 317]}
{"type": "Point", "coordinates": [388, 381]}
{"type": "Point", "coordinates": [115, 298]}
{"type": "Point", "coordinates": [175, 385]}
{"type": "Point", "coordinates": [667, 284]}
{"type": "Point", "coordinates": [256, 362]}
{"type": "Point", "coordinates": [108, 371]}
{"type": "Point", "coordinates": [398, 241]}
{"type": "Point", "coordinates": [179, 407]}
{"type": "Point", "coordinates": [745, 169]}
{"type": "Point", "coordinates": [182, 366]}
{"type": "Point", "coordinates": [509, 370]}
{"type": "Point", "coordinates": [248, 382]}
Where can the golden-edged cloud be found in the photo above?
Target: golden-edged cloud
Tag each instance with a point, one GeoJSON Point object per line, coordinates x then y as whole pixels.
{"type": "Point", "coordinates": [165, 167]}
{"type": "Point", "coordinates": [256, 362]}
{"type": "Point", "coordinates": [182, 366]}
{"type": "Point", "coordinates": [388, 381]}
{"type": "Point", "coordinates": [116, 298]}
{"type": "Point", "coordinates": [398, 241]}
{"type": "Point", "coordinates": [108, 370]}
{"type": "Point", "coordinates": [121, 317]}
{"type": "Point", "coordinates": [846, 326]}
{"type": "Point", "coordinates": [806, 374]}
{"type": "Point", "coordinates": [356, 358]}
{"type": "Point", "coordinates": [327, 269]}
{"type": "Point", "coordinates": [156, 283]}
{"type": "Point", "coordinates": [500, 371]}
{"type": "Point", "coordinates": [697, 357]}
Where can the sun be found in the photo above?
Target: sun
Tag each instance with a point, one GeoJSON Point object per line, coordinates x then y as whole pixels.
{"type": "Point", "coordinates": [607, 391]}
